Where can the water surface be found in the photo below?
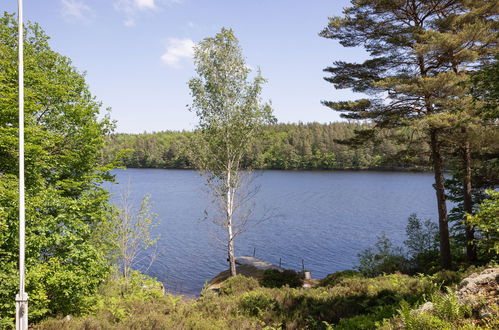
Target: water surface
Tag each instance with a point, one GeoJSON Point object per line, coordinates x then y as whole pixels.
{"type": "Point", "coordinates": [325, 218]}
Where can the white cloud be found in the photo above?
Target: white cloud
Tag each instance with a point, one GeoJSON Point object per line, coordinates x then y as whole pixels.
{"type": "Point", "coordinates": [177, 50]}
{"type": "Point", "coordinates": [141, 4]}
{"type": "Point", "coordinates": [74, 9]}
{"type": "Point", "coordinates": [131, 8]}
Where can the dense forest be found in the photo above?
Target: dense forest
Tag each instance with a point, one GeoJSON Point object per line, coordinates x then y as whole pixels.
{"type": "Point", "coordinates": [281, 146]}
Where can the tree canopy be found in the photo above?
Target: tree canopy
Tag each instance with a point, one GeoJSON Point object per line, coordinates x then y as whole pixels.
{"type": "Point", "coordinates": [66, 208]}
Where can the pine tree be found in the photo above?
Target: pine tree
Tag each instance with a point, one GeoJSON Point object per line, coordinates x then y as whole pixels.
{"type": "Point", "coordinates": [420, 52]}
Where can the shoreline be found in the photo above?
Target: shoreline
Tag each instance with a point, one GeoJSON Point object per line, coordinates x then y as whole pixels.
{"type": "Point", "coordinates": [373, 169]}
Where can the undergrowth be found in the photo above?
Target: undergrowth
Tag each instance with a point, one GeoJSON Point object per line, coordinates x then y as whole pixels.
{"type": "Point", "coordinates": [344, 300]}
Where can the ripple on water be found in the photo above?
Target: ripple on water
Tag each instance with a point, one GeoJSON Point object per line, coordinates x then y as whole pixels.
{"type": "Point", "coordinates": [324, 218]}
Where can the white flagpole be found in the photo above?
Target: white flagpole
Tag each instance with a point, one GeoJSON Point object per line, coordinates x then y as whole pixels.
{"type": "Point", "coordinates": [22, 297]}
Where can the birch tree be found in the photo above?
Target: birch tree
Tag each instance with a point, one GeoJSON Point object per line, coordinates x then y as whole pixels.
{"type": "Point", "coordinates": [231, 114]}
{"type": "Point", "coordinates": [131, 230]}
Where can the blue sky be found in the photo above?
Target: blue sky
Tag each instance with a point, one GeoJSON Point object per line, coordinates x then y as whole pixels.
{"type": "Point", "coordinates": [137, 53]}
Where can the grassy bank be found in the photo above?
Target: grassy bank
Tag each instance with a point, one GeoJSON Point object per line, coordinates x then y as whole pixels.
{"type": "Point", "coordinates": [344, 300]}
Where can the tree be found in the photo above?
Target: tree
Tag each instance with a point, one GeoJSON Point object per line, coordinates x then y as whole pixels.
{"type": "Point", "coordinates": [66, 257]}
{"type": "Point", "coordinates": [231, 115]}
{"type": "Point", "coordinates": [131, 231]}
{"type": "Point", "coordinates": [420, 54]}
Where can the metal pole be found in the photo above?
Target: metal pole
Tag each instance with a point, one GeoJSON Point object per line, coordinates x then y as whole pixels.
{"type": "Point", "coordinates": [22, 297]}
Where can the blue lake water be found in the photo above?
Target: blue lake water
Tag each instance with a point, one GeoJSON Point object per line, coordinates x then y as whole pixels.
{"type": "Point", "coordinates": [325, 218]}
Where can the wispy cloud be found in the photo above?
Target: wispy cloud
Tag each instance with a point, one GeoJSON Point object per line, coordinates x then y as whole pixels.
{"type": "Point", "coordinates": [177, 50]}
{"type": "Point", "coordinates": [145, 4]}
{"type": "Point", "coordinates": [131, 8]}
{"type": "Point", "coordinates": [75, 9]}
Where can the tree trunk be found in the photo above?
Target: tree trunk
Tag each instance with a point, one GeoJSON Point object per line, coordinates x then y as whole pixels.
{"type": "Point", "coordinates": [445, 254]}
{"type": "Point", "coordinates": [471, 253]}
{"type": "Point", "coordinates": [230, 243]}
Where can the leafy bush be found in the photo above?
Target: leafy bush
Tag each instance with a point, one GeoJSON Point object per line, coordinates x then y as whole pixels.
{"type": "Point", "coordinates": [487, 223]}
{"type": "Point", "coordinates": [238, 284]}
{"type": "Point", "coordinates": [273, 278]}
{"type": "Point", "coordinates": [383, 258]}
{"type": "Point", "coordinates": [335, 278]}
{"type": "Point", "coordinates": [447, 277]}
{"type": "Point", "coordinates": [366, 321]}
{"type": "Point", "coordinates": [422, 243]}
{"type": "Point", "coordinates": [257, 302]}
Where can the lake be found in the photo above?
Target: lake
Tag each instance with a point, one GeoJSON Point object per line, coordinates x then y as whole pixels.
{"type": "Point", "coordinates": [324, 218]}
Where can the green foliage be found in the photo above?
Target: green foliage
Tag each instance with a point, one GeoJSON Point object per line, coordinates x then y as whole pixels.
{"type": "Point", "coordinates": [445, 313]}
{"type": "Point", "coordinates": [335, 278]}
{"type": "Point", "coordinates": [257, 303]}
{"type": "Point", "coordinates": [486, 221]}
{"type": "Point", "coordinates": [485, 89]}
{"type": "Point", "coordinates": [66, 209]}
{"type": "Point", "coordinates": [448, 308]}
{"type": "Point", "coordinates": [383, 258]}
{"type": "Point", "coordinates": [228, 105]}
{"type": "Point", "coordinates": [447, 278]}
{"type": "Point", "coordinates": [130, 231]}
{"type": "Point", "coordinates": [422, 243]}
{"type": "Point", "coordinates": [421, 246]}
{"type": "Point", "coordinates": [273, 278]}
{"type": "Point", "coordinates": [281, 146]}
{"type": "Point", "coordinates": [367, 321]}
{"type": "Point", "coordinates": [419, 321]}
{"type": "Point", "coordinates": [238, 284]}
{"type": "Point", "coordinates": [422, 237]}
{"type": "Point", "coordinates": [354, 303]}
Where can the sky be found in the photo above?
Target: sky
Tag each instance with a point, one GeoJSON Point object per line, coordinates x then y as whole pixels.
{"type": "Point", "coordinates": [137, 54]}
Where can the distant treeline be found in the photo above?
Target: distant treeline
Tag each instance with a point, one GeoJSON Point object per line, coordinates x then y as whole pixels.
{"type": "Point", "coordinates": [282, 146]}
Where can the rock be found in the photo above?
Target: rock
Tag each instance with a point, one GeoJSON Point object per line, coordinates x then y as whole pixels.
{"type": "Point", "coordinates": [484, 284]}
{"type": "Point", "coordinates": [480, 291]}
{"type": "Point", "coordinates": [426, 308]}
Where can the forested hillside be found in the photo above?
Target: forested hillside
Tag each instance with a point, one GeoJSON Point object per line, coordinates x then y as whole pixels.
{"type": "Point", "coordinates": [283, 146]}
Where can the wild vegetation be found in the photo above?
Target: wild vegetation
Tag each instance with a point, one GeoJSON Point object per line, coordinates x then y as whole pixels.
{"type": "Point", "coordinates": [350, 301]}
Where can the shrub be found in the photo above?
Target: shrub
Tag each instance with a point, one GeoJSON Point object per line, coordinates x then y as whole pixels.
{"type": "Point", "coordinates": [335, 278]}
{"type": "Point", "coordinates": [366, 321]}
{"type": "Point", "coordinates": [383, 258]}
{"type": "Point", "coordinates": [238, 284]}
{"type": "Point", "coordinates": [255, 303]}
{"type": "Point", "coordinates": [422, 243]}
{"type": "Point", "coordinates": [273, 278]}
{"type": "Point", "coordinates": [486, 222]}
{"type": "Point", "coordinates": [446, 278]}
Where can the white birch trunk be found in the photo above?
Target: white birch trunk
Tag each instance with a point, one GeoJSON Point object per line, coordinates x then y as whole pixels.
{"type": "Point", "coordinates": [230, 207]}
